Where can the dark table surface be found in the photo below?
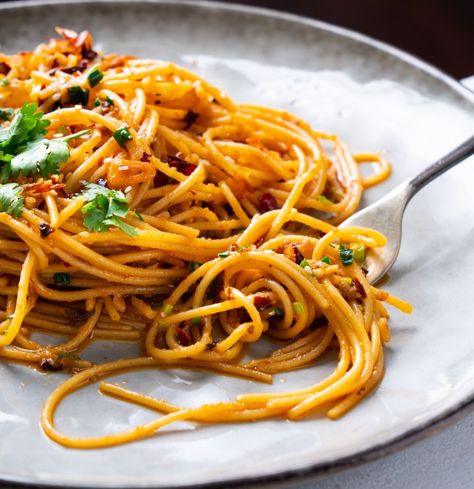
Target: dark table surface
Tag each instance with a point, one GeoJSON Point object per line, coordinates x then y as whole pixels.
{"type": "Point", "coordinates": [438, 31]}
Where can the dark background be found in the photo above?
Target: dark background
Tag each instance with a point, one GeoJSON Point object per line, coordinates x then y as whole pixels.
{"type": "Point", "coordinates": [438, 31]}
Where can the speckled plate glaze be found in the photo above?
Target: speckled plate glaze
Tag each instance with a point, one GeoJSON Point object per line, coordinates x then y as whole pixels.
{"type": "Point", "coordinates": [375, 97]}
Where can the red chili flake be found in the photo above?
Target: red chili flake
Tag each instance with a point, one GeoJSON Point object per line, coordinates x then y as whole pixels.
{"type": "Point", "coordinates": [75, 69]}
{"type": "Point", "coordinates": [181, 165]}
{"type": "Point", "coordinates": [262, 301]}
{"type": "Point", "coordinates": [160, 179]}
{"type": "Point", "coordinates": [68, 34]}
{"type": "Point", "coordinates": [51, 365]}
{"type": "Point", "coordinates": [299, 257]}
{"type": "Point", "coordinates": [319, 323]}
{"type": "Point", "coordinates": [190, 118]}
{"type": "Point", "coordinates": [145, 158]}
{"type": "Point", "coordinates": [45, 230]}
{"type": "Point", "coordinates": [183, 337]}
{"type": "Point", "coordinates": [267, 202]}
{"type": "Point", "coordinates": [77, 316]}
{"type": "Point", "coordinates": [43, 187]}
{"type": "Point", "coordinates": [4, 68]}
{"type": "Point", "coordinates": [359, 288]}
{"type": "Point", "coordinates": [260, 242]}
{"type": "Point", "coordinates": [88, 53]}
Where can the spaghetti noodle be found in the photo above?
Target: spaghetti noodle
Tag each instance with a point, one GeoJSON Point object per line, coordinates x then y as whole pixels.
{"type": "Point", "coordinates": [142, 204]}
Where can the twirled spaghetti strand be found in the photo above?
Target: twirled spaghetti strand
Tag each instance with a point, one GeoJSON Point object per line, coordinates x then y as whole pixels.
{"type": "Point", "coordinates": [219, 230]}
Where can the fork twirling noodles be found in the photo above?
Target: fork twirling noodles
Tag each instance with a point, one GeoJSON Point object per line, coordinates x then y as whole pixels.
{"type": "Point", "coordinates": [139, 203]}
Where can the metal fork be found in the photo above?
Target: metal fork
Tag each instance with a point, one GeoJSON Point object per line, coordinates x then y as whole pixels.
{"type": "Point", "coordinates": [386, 214]}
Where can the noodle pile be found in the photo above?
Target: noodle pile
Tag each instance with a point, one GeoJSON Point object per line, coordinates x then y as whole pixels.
{"type": "Point", "coordinates": [211, 225]}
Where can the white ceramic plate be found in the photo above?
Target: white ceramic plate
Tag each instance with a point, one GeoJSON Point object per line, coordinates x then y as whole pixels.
{"type": "Point", "coordinates": [375, 97]}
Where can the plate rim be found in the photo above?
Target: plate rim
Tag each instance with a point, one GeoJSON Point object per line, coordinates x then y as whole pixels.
{"type": "Point", "coordinates": [311, 472]}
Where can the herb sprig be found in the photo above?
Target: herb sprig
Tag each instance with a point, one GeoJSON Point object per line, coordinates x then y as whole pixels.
{"type": "Point", "coordinates": [25, 151]}
{"type": "Point", "coordinates": [105, 208]}
{"type": "Point", "coordinates": [11, 200]}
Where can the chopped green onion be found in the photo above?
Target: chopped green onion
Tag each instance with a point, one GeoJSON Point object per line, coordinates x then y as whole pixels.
{"type": "Point", "coordinates": [298, 307]}
{"type": "Point", "coordinates": [304, 263]}
{"type": "Point", "coordinates": [122, 135]}
{"type": "Point", "coordinates": [138, 215]}
{"type": "Point", "coordinates": [4, 82]}
{"type": "Point", "coordinates": [108, 101]}
{"type": "Point", "coordinates": [224, 254]}
{"type": "Point", "coordinates": [194, 265]}
{"type": "Point", "coordinates": [326, 259]}
{"type": "Point", "coordinates": [358, 251]}
{"type": "Point", "coordinates": [196, 321]}
{"type": "Point", "coordinates": [346, 255]}
{"type": "Point", "coordinates": [62, 278]}
{"type": "Point", "coordinates": [96, 102]}
{"type": "Point", "coordinates": [277, 311]}
{"type": "Point", "coordinates": [167, 309]}
{"type": "Point", "coordinates": [95, 77]}
{"type": "Point", "coordinates": [78, 95]}
{"type": "Point", "coordinates": [324, 200]}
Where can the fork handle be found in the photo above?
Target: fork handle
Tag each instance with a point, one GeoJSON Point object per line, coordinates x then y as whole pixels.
{"type": "Point", "coordinates": [454, 157]}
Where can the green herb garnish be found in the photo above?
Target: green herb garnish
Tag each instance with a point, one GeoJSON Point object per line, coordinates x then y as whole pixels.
{"type": "Point", "coordinates": [122, 135]}
{"type": "Point", "coordinates": [304, 263]}
{"type": "Point", "coordinates": [196, 321]}
{"type": "Point", "coordinates": [346, 255]}
{"type": "Point", "coordinates": [224, 254]}
{"type": "Point", "coordinates": [277, 311]}
{"type": "Point", "coordinates": [27, 125]}
{"type": "Point", "coordinates": [24, 150]}
{"type": "Point", "coordinates": [62, 278]}
{"type": "Point", "coordinates": [4, 82]}
{"type": "Point", "coordinates": [326, 259]}
{"type": "Point", "coordinates": [105, 208]}
{"type": "Point", "coordinates": [324, 200]}
{"type": "Point", "coordinates": [194, 265]}
{"type": "Point", "coordinates": [78, 95]}
{"type": "Point", "coordinates": [140, 217]}
{"type": "Point", "coordinates": [96, 102]}
{"type": "Point", "coordinates": [298, 307]}
{"type": "Point", "coordinates": [358, 251]}
{"type": "Point", "coordinates": [95, 77]}
{"type": "Point", "coordinates": [11, 200]}
{"type": "Point", "coordinates": [43, 156]}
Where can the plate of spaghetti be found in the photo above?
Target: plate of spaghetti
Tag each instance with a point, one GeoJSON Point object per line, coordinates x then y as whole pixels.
{"type": "Point", "coordinates": [178, 305]}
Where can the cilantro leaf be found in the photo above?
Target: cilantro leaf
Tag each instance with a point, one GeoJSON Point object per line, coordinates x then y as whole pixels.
{"type": "Point", "coordinates": [104, 209]}
{"type": "Point", "coordinates": [126, 228]}
{"type": "Point", "coordinates": [24, 150]}
{"type": "Point", "coordinates": [122, 135]}
{"type": "Point", "coordinates": [26, 126]}
{"type": "Point", "coordinates": [11, 200]}
{"type": "Point", "coordinates": [346, 255]}
{"type": "Point", "coordinates": [42, 156]}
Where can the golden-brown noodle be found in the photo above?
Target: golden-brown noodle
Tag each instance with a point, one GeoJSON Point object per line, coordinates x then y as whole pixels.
{"type": "Point", "coordinates": [220, 246]}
